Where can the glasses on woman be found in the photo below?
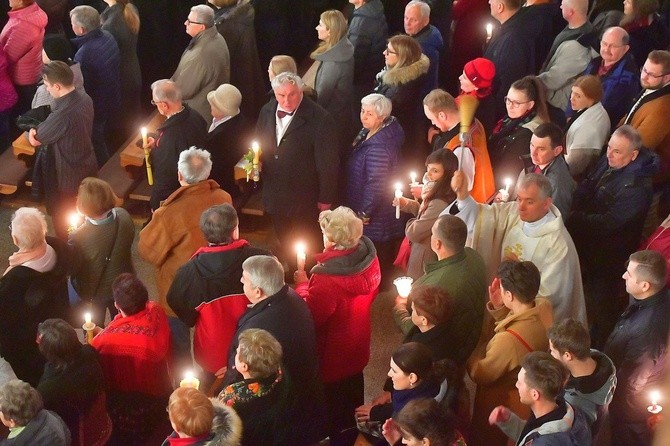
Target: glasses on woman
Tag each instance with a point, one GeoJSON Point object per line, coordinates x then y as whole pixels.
{"type": "Point", "coordinates": [388, 51]}
{"type": "Point", "coordinates": [514, 104]}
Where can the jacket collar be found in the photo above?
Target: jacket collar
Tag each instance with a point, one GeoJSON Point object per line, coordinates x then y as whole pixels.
{"type": "Point", "coordinates": [191, 189]}
{"type": "Point", "coordinates": [235, 244]}
{"type": "Point", "coordinates": [444, 262]}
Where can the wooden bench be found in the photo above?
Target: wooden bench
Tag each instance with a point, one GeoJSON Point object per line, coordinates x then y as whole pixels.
{"type": "Point", "coordinates": [12, 172]}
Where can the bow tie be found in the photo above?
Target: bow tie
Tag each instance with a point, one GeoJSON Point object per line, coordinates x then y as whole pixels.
{"type": "Point", "coordinates": [282, 114]}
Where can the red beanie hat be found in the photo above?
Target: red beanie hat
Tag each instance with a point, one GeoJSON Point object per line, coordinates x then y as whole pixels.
{"type": "Point", "coordinates": [480, 72]}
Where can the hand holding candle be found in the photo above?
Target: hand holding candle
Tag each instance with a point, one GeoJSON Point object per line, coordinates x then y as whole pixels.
{"type": "Point", "coordinates": [404, 286]}
{"type": "Point", "coordinates": [147, 160]}
{"type": "Point", "coordinates": [190, 380]}
{"type": "Point", "coordinates": [300, 255]}
{"type": "Point", "coordinates": [88, 327]}
{"type": "Point", "coordinates": [398, 195]}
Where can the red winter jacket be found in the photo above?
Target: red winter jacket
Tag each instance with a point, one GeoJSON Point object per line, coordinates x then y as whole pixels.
{"type": "Point", "coordinates": [21, 38]}
{"type": "Point", "coordinates": [339, 294]}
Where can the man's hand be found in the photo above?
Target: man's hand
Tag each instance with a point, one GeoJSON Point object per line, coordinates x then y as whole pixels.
{"type": "Point", "coordinates": [500, 414]}
{"type": "Point", "coordinates": [300, 277]}
{"type": "Point", "coordinates": [151, 142]}
{"type": "Point", "coordinates": [221, 372]}
{"type": "Point", "coordinates": [459, 184]}
{"type": "Point", "coordinates": [495, 295]}
{"type": "Point", "coordinates": [323, 206]}
{"type": "Point", "coordinates": [32, 138]}
{"type": "Point", "coordinates": [363, 412]}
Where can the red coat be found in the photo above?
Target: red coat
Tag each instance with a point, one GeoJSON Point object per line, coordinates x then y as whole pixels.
{"type": "Point", "coordinates": [339, 294]}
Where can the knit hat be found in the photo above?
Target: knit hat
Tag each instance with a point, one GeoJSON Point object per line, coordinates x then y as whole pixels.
{"type": "Point", "coordinates": [57, 47]}
{"type": "Point", "coordinates": [226, 98]}
{"type": "Point", "coordinates": [480, 72]}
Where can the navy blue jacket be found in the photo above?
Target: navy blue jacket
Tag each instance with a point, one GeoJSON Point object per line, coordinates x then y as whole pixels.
{"type": "Point", "coordinates": [608, 210]}
{"type": "Point", "coordinates": [431, 43]}
{"type": "Point", "coordinates": [370, 172]}
{"type": "Point", "coordinates": [100, 61]}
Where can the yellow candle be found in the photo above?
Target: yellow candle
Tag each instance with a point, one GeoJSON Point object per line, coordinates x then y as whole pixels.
{"type": "Point", "coordinates": [257, 152]}
{"type": "Point", "coordinates": [143, 131]}
{"type": "Point", "coordinates": [300, 255]}
{"type": "Point", "coordinates": [88, 327]}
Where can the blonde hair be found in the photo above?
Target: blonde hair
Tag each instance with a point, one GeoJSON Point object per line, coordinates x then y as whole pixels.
{"type": "Point", "coordinates": [282, 63]}
{"type": "Point", "coordinates": [407, 49]}
{"type": "Point", "coordinates": [342, 227]}
{"type": "Point", "coordinates": [337, 25]}
{"type": "Point", "coordinates": [95, 197]}
{"type": "Point", "coordinates": [260, 351]}
{"type": "Point", "coordinates": [190, 411]}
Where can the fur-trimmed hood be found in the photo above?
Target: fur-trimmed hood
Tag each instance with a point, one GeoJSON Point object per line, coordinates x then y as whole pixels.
{"type": "Point", "coordinates": [227, 426]}
{"type": "Point", "coordinates": [403, 75]}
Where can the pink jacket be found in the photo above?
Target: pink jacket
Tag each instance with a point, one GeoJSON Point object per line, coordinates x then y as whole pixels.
{"type": "Point", "coordinates": [21, 39]}
{"type": "Point", "coordinates": [8, 94]}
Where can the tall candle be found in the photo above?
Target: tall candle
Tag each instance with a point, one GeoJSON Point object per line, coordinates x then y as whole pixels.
{"type": "Point", "coordinates": [300, 255]}
{"type": "Point", "coordinates": [256, 148]}
{"type": "Point", "coordinates": [143, 131]}
{"type": "Point", "coordinates": [398, 195]}
{"type": "Point", "coordinates": [489, 31]}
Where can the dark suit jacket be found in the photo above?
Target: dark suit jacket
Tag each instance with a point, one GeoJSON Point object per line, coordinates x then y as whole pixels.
{"type": "Point", "coordinates": [227, 143]}
{"type": "Point", "coordinates": [301, 169]}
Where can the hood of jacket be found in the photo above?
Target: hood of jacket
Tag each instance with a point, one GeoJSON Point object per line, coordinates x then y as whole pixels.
{"type": "Point", "coordinates": [226, 426]}
{"type": "Point", "coordinates": [572, 429]}
{"type": "Point", "coordinates": [342, 51]}
{"type": "Point", "coordinates": [403, 75]}
{"type": "Point", "coordinates": [354, 265]}
{"type": "Point", "coordinates": [32, 14]}
{"type": "Point", "coordinates": [646, 164]}
{"type": "Point", "coordinates": [218, 263]}
{"type": "Point", "coordinates": [606, 373]}
{"type": "Point", "coordinates": [371, 8]}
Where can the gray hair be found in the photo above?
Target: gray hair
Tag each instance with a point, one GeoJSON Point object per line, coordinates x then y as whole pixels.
{"type": "Point", "coordinates": [166, 90]}
{"type": "Point", "coordinates": [424, 7]}
{"type": "Point", "coordinates": [342, 227]}
{"type": "Point", "coordinates": [266, 273]}
{"type": "Point", "coordinates": [86, 16]}
{"type": "Point", "coordinates": [382, 105]}
{"type": "Point", "coordinates": [287, 78]}
{"type": "Point", "coordinates": [194, 165]}
{"type": "Point", "coordinates": [541, 181]}
{"type": "Point", "coordinates": [29, 228]}
{"type": "Point", "coordinates": [19, 402]}
{"type": "Point", "coordinates": [218, 222]}
{"type": "Point", "coordinates": [625, 37]}
{"type": "Point", "coordinates": [631, 135]}
{"type": "Point", "coordinates": [203, 15]}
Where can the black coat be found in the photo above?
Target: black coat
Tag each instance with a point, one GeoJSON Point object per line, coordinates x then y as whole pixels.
{"type": "Point", "coordinates": [205, 277]}
{"type": "Point", "coordinates": [638, 349]}
{"type": "Point", "coordinates": [28, 297]}
{"type": "Point", "coordinates": [179, 132]}
{"type": "Point", "coordinates": [227, 143]}
{"type": "Point", "coordinates": [300, 170]}
{"type": "Point", "coordinates": [286, 316]}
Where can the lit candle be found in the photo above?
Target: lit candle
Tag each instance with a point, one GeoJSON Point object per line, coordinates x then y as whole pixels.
{"type": "Point", "coordinates": [412, 176]}
{"type": "Point", "coordinates": [143, 131]}
{"type": "Point", "coordinates": [300, 255]}
{"type": "Point", "coordinates": [88, 327]}
{"type": "Point", "coordinates": [489, 31]}
{"type": "Point", "coordinates": [504, 193]}
{"type": "Point", "coordinates": [256, 148]}
{"type": "Point", "coordinates": [74, 220]}
{"type": "Point", "coordinates": [508, 183]}
{"type": "Point", "coordinates": [398, 195]}
{"type": "Point", "coordinates": [655, 407]}
{"type": "Point", "coordinates": [403, 285]}
{"type": "Point", "coordinates": [190, 380]}
{"type": "Point", "coordinates": [256, 172]}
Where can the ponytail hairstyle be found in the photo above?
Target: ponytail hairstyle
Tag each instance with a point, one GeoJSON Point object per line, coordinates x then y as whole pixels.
{"type": "Point", "coordinates": [535, 91]}
{"type": "Point", "coordinates": [130, 15]}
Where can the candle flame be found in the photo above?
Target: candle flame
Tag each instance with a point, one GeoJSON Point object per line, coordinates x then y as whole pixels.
{"type": "Point", "coordinates": [300, 247]}
{"type": "Point", "coordinates": [254, 146]}
{"type": "Point", "coordinates": [403, 285]}
{"type": "Point", "coordinates": [189, 375]}
{"type": "Point", "coordinates": [655, 395]}
{"type": "Point", "coordinates": [143, 131]}
{"type": "Point", "coordinates": [74, 220]}
{"type": "Point", "coordinates": [87, 318]}
{"type": "Point", "coordinates": [412, 175]}
{"type": "Point", "coordinates": [508, 182]}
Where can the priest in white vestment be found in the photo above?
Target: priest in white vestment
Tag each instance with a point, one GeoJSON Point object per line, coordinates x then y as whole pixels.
{"type": "Point", "coordinates": [530, 229]}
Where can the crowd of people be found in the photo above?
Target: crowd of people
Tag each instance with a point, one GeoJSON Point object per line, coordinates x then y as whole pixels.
{"type": "Point", "coordinates": [537, 270]}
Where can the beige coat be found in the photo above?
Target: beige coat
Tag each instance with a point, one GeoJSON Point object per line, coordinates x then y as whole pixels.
{"type": "Point", "coordinates": [173, 235]}
{"type": "Point", "coordinates": [496, 361]}
{"type": "Point", "coordinates": [418, 231]}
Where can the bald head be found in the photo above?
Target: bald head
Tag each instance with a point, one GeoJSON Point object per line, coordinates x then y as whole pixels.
{"type": "Point", "coordinates": [613, 45]}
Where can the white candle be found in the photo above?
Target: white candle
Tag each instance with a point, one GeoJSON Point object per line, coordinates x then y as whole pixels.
{"type": "Point", "coordinates": [300, 255]}
{"type": "Point", "coordinates": [412, 176]}
{"type": "Point", "coordinates": [404, 286]}
{"type": "Point", "coordinates": [508, 184]}
{"type": "Point", "coordinates": [87, 318]}
{"type": "Point", "coordinates": [190, 380]}
{"type": "Point", "coordinates": [489, 31]}
{"type": "Point", "coordinates": [143, 131]}
{"type": "Point", "coordinates": [655, 407]}
{"type": "Point", "coordinates": [398, 195]}
{"type": "Point", "coordinates": [88, 327]}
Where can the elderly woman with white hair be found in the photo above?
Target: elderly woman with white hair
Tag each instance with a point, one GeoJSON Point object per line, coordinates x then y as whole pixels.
{"type": "Point", "coordinates": [339, 294]}
{"type": "Point", "coordinates": [370, 171]}
{"type": "Point", "coordinates": [32, 289]}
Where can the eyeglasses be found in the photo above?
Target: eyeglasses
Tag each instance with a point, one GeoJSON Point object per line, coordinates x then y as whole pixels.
{"type": "Point", "coordinates": [157, 102]}
{"type": "Point", "coordinates": [655, 76]}
{"type": "Point", "coordinates": [607, 46]}
{"type": "Point", "coordinates": [514, 104]}
{"type": "Point", "coordinates": [191, 22]}
{"type": "Point", "coordinates": [388, 51]}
